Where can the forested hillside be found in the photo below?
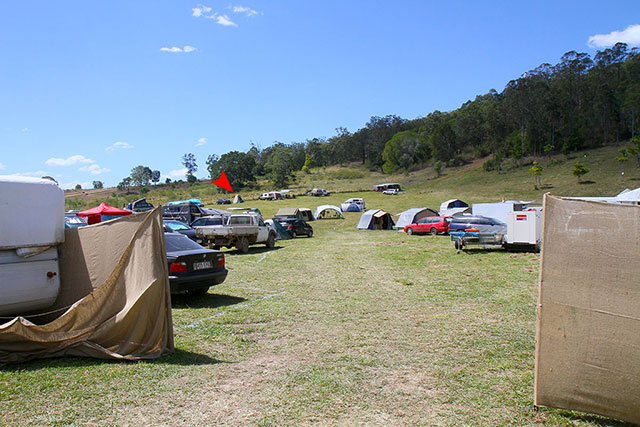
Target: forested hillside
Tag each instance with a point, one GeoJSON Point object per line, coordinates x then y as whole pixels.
{"type": "Point", "coordinates": [578, 103]}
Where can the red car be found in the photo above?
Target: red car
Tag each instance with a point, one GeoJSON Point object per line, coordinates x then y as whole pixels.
{"type": "Point", "coordinates": [430, 224]}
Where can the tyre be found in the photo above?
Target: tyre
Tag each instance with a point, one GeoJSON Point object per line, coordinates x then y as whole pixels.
{"type": "Point", "coordinates": [243, 245]}
{"type": "Point", "coordinates": [433, 231]}
{"type": "Point", "coordinates": [310, 233]}
{"type": "Point", "coordinates": [198, 292]}
{"type": "Point", "coordinates": [271, 241]}
{"type": "Point", "coordinates": [293, 234]}
{"type": "Point", "coordinates": [409, 231]}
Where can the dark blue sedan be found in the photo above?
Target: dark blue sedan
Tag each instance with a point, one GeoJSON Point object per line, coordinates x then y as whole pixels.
{"type": "Point", "coordinates": [192, 268]}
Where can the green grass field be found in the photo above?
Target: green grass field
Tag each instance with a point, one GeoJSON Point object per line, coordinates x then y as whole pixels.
{"type": "Point", "coordinates": [346, 328]}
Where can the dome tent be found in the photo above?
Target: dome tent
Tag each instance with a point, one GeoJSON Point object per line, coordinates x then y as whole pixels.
{"type": "Point", "coordinates": [328, 212]}
{"type": "Point", "coordinates": [375, 219]}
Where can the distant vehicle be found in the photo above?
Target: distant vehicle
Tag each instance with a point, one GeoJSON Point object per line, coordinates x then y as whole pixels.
{"type": "Point", "coordinates": [223, 201]}
{"type": "Point", "coordinates": [387, 186]}
{"type": "Point", "coordinates": [296, 226]}
{"type": "Point", "coordinates": [272, 195]}
{"type": "Point", "coordinates": [391, 191]}
{"type": "Point", "coordinates": [432, 225]}
{"type": "Point", "coordinates": [140, 205]}
{"type": "Point", "coordinates": [481, 223]}
{"type": "Point", "coordinates": [185, 212]}
{"type": "Point", "coordinates": [192, 268]}
{"type": "Point", "coordinates": [320, 192]}
{"type": "Point", "coordinates": [71, 220]}
{"type": "Point", "coordinates": [172, 225]}
{"type": "Point", "coordinates": [355, 201]}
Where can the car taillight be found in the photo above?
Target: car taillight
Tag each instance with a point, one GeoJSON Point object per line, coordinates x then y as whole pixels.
{"type": "Point", "coordinates": [290, 227]}
{"type": "Point", "coordinates": [221, 262]}
{"type": "Point", "coordinates": [178, 267]}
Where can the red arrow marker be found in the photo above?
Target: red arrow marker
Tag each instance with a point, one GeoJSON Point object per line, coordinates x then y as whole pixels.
{"type": "Point", "coordinates": [223, 182]}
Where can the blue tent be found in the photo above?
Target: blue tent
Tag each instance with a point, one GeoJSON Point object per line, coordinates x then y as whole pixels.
{"type": "Point", "coordinates": [353, 208]}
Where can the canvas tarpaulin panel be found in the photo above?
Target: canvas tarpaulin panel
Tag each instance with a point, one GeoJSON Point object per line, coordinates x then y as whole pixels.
{"type": "Point", "coordinates": [114, 278]}
{"type": "Point", "coordinates": [588, 326]}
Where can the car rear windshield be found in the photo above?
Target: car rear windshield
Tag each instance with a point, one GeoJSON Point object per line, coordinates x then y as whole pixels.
{"type": "Point", "coordinates": [177, 225]}
{"type": "Point", "coordinates": [178, 242]}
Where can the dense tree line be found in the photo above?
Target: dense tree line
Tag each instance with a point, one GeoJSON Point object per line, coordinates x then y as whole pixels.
{"type": "Point", "coordinates": [579, 103]}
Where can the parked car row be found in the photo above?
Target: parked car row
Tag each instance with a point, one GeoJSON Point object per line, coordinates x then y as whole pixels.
{"type": "Point", "coordinates": [444, 224]}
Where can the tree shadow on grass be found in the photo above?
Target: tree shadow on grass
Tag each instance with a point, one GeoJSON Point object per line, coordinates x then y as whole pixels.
{"type": "Point", "coordinates": [204, 301]}
{"type": "Point", "coordinates": [179, 357]}
{"type": "Point", "coordinates": [587, 182]}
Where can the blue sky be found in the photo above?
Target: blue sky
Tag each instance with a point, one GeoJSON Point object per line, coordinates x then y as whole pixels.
{"type": "Point", "coordinates": [89, 90]}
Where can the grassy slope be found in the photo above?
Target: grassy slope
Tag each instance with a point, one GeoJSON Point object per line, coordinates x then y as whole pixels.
{"type": "Point", "coordinates": [349, 327]}
{"type": "Point", "coordinates": [470, 183]}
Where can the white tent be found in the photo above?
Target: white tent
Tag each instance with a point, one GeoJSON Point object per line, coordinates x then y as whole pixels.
{"type": "Point", "coordinates": [630, 197]}
{"type": "Point", "coordinates": [375, 219]}
{"type": "Point", "coordinates": [410, 216]}
{"type": "Point", "coordinates": [453, 207]}
{"type": "Point", "coordinates": [327, 211]}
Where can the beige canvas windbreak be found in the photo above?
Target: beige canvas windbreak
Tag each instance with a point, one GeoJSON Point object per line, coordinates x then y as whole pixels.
{"type": "Point", "coordinates": [588, 327]}
{"type": "Point", "coordinates": [114, 300]}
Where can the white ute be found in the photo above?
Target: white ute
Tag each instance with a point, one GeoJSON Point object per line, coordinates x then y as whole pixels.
{"type": "Point", "coordinates": [240, 230]}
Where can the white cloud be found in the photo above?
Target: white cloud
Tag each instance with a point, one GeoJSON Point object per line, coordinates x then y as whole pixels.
{"type": "Point", "coordinates": [2, 167]}
{"type": "Point", "coordinates": [630, 36]}
{"type": "Point", "coordinates": [119, 145]}
{"type": "Point", "coordinates": [222, 20]}
{"type": "Point", "coordinates": [176, 49]}
{"type": "Point", "coordinates": [175, 174]}
{"type": "Point", "coordinates": [200, 10]}
{"type": "Point", "coordinates": [201, 142]}
{"type": "Point", "coordinates": [69, 161]}
{"type": "Point", "coordinates": [245, 10]}
{"type": "Point", "coordinates": [94, 169]}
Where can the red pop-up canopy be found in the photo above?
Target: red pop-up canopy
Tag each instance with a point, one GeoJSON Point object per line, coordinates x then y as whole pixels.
{"type": "Point", "coordinates": [94, 214]}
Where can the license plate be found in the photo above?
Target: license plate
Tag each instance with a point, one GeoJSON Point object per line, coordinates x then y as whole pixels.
{"type": "Point", "coordinates": [202, 265]}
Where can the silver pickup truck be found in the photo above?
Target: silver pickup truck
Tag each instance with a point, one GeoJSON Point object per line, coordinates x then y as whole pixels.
{"type": "Point", "coordinates": [239, 230]}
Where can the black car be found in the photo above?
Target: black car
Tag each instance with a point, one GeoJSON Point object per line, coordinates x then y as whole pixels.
{"type": "Point", "coordinates": [180, 227]}
{"type": "Point", "coordinates": [192, 268]}
{"type": "Point", "coordinates": [296, 226]}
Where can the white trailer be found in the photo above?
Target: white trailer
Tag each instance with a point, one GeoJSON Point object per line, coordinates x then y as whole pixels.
{"type": "Point", "coordinates": [498, 210]}
{"type": "Point", "coordinates": [32, 218]}
{"type": "Point", "coordinates": [524, 230]}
